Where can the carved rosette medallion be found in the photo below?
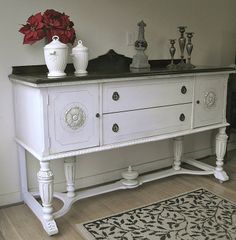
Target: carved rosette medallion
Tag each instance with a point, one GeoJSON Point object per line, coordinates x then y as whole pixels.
{"type": "Point", "coordinates": [75, 117]}
{"type": "Point", "coordinates": [210, 99]}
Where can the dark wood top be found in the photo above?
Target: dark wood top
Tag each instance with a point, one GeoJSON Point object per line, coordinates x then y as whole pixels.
{"type": "Point", "coordinates": [110, 65]}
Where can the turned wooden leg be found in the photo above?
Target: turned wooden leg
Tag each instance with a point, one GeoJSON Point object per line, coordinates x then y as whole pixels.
{"type": "Point", "coordinates": [178, 150]}
{"type": "Point", "coordinates": [69, 165]}
{"type": "Point", "coordinates": [221, 144]}
{"type": "Point", "coordinates": [45, 180]}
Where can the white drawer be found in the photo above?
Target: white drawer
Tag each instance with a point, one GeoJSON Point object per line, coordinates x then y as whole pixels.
{"type": "Point", "coordinates": [124, 126]}
{"type": "Point", "coordinates": [123, 96]}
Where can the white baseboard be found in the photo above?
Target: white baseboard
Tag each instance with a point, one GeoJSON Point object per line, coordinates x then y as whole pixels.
{"type": "Point", "coordinates": [12, 198]}
{"type": "Point", "coordinates": [231, 146]}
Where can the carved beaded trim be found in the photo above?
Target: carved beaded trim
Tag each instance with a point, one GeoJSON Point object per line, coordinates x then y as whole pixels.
{"type": "Point", "coordinates": [45, 174]}
{"type": "Point", "coordinates": [75, 117]}
{"type": "Point", "coordinates": [210, 99]}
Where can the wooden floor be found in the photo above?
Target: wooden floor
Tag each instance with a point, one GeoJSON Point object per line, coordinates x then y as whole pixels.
{"type": "Point", "coordinates": [19, 223]}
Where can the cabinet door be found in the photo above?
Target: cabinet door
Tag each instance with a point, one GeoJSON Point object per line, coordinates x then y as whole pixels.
{"type": "Point", "coordinates": [72, 117]}
{"type": "Point", "coordinates": [209, 100]}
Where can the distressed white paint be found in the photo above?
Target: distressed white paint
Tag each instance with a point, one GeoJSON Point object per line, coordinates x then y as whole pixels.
{"type": "Point", "coordinates": [205, 112]}
{"type": "Point", "coordinates": [62, 101]}
{"type": "Point", "coordinates": [45, 179]}
{"type": "Point", "coordinates": [147, 94]}
{"type": "Point", "coordinates": [30, 118]}
{"type": "Point", "coordinates": [136, 124]}
{"type": "Point", "coordinates": [102, 30]}
{"type": "Point", "coordinates": [178, 152]}
{"type": "Point", "coordinates": [69, 165]}
{"type": "Point", "coordinates": [145, 123]}
{"type": "Point", "coordinates": [221, 144]}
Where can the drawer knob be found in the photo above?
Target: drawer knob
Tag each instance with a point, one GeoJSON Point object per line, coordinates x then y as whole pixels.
{"type": "Point", "coordinates": [115, 96]}
{"type": "Point", "coordinates": [182, 117]}
{"type": "Point", "coordinates": [198, 102]}
{"type": "Point", "coordinates": [183, 90]}
{"type": "Point", "coordinates": [115, 127]}
{"type": "Point", "coordinates": [97, 115]}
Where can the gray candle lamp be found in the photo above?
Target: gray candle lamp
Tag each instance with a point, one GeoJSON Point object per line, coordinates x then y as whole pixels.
{"type": "Point", "coordinates": [140, 59]}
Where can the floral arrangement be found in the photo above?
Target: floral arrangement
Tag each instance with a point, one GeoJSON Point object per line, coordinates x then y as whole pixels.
{"type": "Point", "coordinates": [47, 25]}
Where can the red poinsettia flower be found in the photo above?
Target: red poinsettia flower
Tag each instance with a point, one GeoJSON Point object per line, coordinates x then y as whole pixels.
{"type": "Point", "coordinates": [49, 24]}
{"type": "Point", "coordinates": [65, 36]}
{"type": "Point", "coordinates": [54, 19]}
{"type": "Point", "coordinates": [33, 29]}
{"type": "Point", "coordinates": [59, 24]}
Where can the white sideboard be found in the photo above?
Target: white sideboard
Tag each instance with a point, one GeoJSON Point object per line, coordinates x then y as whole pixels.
{"type": "Point", "coordinates": [64, 119]}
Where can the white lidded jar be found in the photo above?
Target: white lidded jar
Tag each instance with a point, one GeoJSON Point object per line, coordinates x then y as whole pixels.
{"type": "Point", "coordinates": [56, 55]}
{"type": "Point", "coordinates": [80, 58]}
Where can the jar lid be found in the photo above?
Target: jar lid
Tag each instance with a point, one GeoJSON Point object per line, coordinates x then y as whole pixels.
{"type": "Point", "coordinates": [80, 47]}
{"type": "Point", "coordinates": [56, 43]}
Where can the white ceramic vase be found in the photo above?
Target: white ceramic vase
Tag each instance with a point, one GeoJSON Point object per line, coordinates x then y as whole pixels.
{"type": "Point", "coordinates": [56, 55]}
{"type": "Point", "coordinates": [80, 58]}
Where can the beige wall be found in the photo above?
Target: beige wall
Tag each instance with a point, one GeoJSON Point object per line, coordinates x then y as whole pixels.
{"type": "Point", "coordinates": [103, 25]}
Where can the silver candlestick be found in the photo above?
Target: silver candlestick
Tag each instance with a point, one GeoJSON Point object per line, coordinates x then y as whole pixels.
{"type": "Point", "coordinates": [189, 48]}
{"type": "Point", "coordinates": [172, 51]}
{"type": "Point", "coordinates": [182, 43]}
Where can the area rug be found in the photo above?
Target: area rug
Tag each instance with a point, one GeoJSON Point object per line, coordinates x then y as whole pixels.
{"type": "Point", "coordinates": [196, 215]}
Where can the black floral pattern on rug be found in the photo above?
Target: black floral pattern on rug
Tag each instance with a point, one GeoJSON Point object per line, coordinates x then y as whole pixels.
{"type": "Point", "coordinates": [198, 215]}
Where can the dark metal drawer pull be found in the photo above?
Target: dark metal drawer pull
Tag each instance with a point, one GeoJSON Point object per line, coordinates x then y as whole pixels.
{"type": "Point", "coordinates": [115, 96]}
{"type": "Point", "coordinates": [115, 127]}
{"type": "Point", "coordinates": [183, 90]}
{"type": "Point", "coordinates": [182, 117]}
